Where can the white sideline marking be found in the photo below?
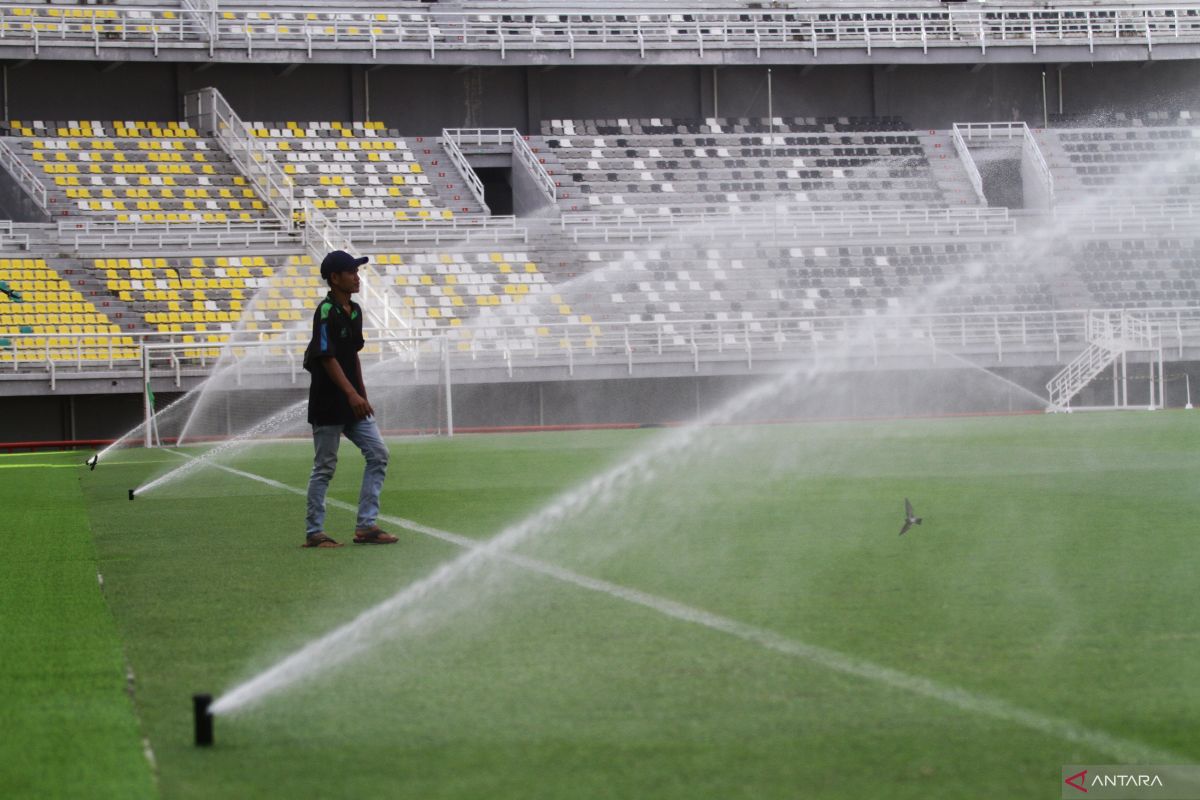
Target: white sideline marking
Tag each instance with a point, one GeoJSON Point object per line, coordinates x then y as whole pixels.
{"type": "Point", "coordinates": [1125, 750]}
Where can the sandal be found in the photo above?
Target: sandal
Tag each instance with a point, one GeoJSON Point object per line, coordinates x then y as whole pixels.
{"type": "Point", "coordinates": [319, 540]}
{"type": "Point", "coordinates": [374, 535]}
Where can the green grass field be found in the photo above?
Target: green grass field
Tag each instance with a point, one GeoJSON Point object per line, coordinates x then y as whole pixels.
{"type": "Point", "coordinates": [1050, 599]}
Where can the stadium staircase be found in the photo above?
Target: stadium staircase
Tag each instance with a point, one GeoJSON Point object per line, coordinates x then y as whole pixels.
{"type": "Point", "coordinates": [947, 169]}
{"type": "Point", "coordinates": [93, 287]}
{"type": "Point", "coordinates": [558, 171]}
{"type": "Point", "coordinates": [446, 179]}
{"type": "Point", "coordinates": [1110, 335]}
{"type": "Point", "coordinates": [1068, 181]}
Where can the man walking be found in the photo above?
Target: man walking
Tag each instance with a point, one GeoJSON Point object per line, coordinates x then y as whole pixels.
{"type": "Point", "coordinates": [337, 404]}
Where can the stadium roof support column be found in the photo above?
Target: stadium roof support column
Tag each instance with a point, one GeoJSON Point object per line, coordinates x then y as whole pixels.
{"type": "Point", "coordinates": [360, 103]}
{"type": "Point", "coordinates": [533, 98]}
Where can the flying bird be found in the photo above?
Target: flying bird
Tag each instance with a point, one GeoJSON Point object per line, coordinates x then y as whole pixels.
{"type": "Point", "coordinates": [910, 517]}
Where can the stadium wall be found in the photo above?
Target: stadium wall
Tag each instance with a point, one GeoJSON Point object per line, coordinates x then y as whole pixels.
{"type": "Point", "coordinates": [422, 100]}
{"type": "Point", "coordinates": [637, 401]}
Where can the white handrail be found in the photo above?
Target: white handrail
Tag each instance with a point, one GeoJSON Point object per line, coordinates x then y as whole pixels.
{"type": "Point", "coordinates": [322, 236]}
{"type": "Point", "coordinates": [251, 156]}
{"type": "Point", "coordinates": [1109, 334]}
{"type": "Point", "coordinates": [479, 137]}
{"type": "Point", "coordinates": [635, 29]}
{"type": "Point", "coordinates": [524, 153]}
{"type": "Point", "coordinates": [968, 162]}
{"type": "Point", "coordinates": [460, 163]}
{"type": "Point", "coordinates": [205, 14]}
{"type": "Point", "coordinates": [971, 132]}
{"type": "Point", "coordinates": [979, 334]}
{"type": "Point", "coordinates": [990, 130]}
{"type": "Point", "coordinates": [24, 176]}
{"type": "Point", "coordinates": [517, 143]}
{"type": "Point", "coordinates": [97, 28]}
{"type": "Point", "coordinates": [794, 212]}
{"type": "Point", "coordinates": [1034, 150]}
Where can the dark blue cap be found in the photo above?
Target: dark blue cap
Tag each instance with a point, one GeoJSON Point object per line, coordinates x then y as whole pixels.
{"type": "Point", "coordinates": [340, 261]}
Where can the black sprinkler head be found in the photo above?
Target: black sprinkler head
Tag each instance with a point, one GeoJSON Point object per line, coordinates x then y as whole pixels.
{"type": "Point", "coordinates": [131, 494]}
{"type": "Point", "coordinates": [91, 462]}
{"type": "Point", "coordinates": [204, 719]}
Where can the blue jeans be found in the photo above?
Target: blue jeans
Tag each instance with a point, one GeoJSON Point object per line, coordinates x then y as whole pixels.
{"type": "Point", "coordinates": [365, 435]}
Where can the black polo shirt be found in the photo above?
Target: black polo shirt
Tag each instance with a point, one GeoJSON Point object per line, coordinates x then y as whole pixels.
{"type": "Point", "coordinates": [340, 335]}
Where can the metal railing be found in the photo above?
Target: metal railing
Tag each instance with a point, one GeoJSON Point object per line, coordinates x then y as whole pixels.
{"type": "Point", "coordinates": [322, 236]}
{"type": "Point", "coordinates": [455, 229]}
{"type": "Point", "coordinates": [1134, 210]}
{"type": "Point", "coordinates": [455, 154]}
{"type": "Point", "coordinates": [1032, 150]}
{"type": "Point", "coordinates": [968, 162]}
{"type": "Point", "coordinates": [320, 233]}
{"type": "Point", "coordinates": [10, 239]}
{"type": "Point", "coordinates": [967, 133]}
{"type": "Point", "coordinates": [24, 176]}
{"type": "Point", "coordinates": [251, 156]}
{"type": "Point", "coordinates": [1110, 334]}
{"type": "Point", "coordinates": [204, 12]}
{"type": "Point", "coordinates": [974, 132]}
{"type": "Point", "coordinates": [793, 212]}
{"type": "Point", "coordinates": [103, 234]}
{"type": "Point", "coordinates": [479, 137]}
{"type": "Point", "coordinates": [1119, 330]}
{"type": "Point", "coordinates": [524, 153]}
{"type": "Point", "coordinates": [96, 29]}
{"type": "Point", "coordinates": [1052, 336]}
{"type": "Point", "coordinates": [1078, 374]}
{"type": "Point", "coordinates": [512, 140]}
{"type": "Point", "coordinates": [600, 27]}
{"type": "Point", "coordinates": [774, 226]}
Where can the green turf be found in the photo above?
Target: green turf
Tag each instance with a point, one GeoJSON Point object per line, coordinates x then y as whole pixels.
{"type": "Point", "coordinates": [67, 727]}
{"type": "Point", "coordinates": [1055, 571]}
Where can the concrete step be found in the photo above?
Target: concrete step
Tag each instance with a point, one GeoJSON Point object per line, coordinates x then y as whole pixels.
{"type": "Point", "coordinates": [92, 285]}
{"type": "Point", "coordinates": [446, 182]}
{"type": "Point", "coordinates": [947, 169]}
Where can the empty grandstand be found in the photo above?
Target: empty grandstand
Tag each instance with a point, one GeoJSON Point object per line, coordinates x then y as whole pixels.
{"type": "Point", "coordinates": [671, 241]}
{"type": "Point", "coordinates": [133, 171]}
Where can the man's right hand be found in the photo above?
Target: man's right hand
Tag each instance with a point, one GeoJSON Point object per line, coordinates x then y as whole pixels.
{"type": "Point", "coordinates": [359, 405]}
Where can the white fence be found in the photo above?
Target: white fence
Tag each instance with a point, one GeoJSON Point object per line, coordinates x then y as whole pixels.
{"type": "Point", "coordinates": [967, 133]}
{"type": "Point", "coordinates": [775, 224]}
{"type": "Point", "coordinates": [24, 176]}
{"type": "Point", "coordinates": [524, 153]}
{"type": "Point", "coordinates": [509, 139]}
{"type": "Point", "coordinates": [103, 234]}
{"type": "Point", "coordinates": [1056, 336]}
{"type": "Point", "coordinates": [251, 156]}
{"type": "Point", "coordinates": [597, 27]}
{"type": "Point", "coordinates": [455, 154]}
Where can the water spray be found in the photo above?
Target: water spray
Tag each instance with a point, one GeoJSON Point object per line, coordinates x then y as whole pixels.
{"type": "Point", "coordinates": [203, 719]}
